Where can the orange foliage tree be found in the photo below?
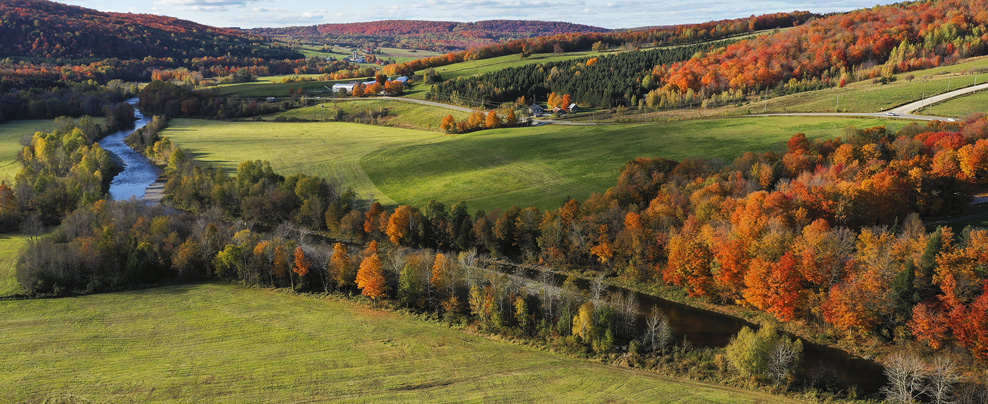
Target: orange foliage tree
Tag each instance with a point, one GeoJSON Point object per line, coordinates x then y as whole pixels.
{"type": "Point", "coordinates": [370, 278]}
{"type": "Point", "coordinates": [302, 263]}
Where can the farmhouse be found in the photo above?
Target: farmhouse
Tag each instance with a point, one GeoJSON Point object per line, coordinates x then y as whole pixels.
{"type": "Point", "coordinates": [537, 110]}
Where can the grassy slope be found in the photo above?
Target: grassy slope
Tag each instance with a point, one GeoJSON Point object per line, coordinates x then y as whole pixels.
{"type": "Point", "coordinates": [960, 107]}
{"type": "Point", "coordinates": [489, 169]}
{"type": "Point", "coordinates": [401, 114]}
{"type": "Point", "coordinates": [865, 96]}
{"type": "Point", "coordinates": [10, 247]}
{"type": "Point", "coordinates": [331, 150]}
{"type": "Point", "coordinates": [223, 343]}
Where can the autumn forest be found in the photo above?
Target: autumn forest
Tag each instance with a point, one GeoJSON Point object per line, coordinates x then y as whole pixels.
{"type": "Point", "coordinates": [611, 209]}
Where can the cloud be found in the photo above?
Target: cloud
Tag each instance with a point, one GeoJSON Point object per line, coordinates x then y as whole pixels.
{"type": "Point", "coordinates": [269, 17]}
{"type": "Point", "coordinates": [205, 5]}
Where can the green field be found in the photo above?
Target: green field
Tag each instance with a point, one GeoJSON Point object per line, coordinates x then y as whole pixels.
{"type": "Point", "coordinates": [224, 343]}
{"type": "Point", "coordinates": [11, 134]}
{"type": "Point", "coordinates": [960, 107]}
{"type": "Point", "coordinates": [270, 86]}
{"type": "Point", "coordinates": [865, 96]}
{"type": "Point", "coordinates": [10, 247]}
{"type": "Point", "coordinates": [491, 169]}
{"type": "Point", "coordinates": [401, 114]}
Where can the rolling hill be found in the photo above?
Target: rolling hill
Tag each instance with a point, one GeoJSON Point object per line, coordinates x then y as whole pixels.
{"type": "Point", "coordinates": [427, 35]}
{"type": "Point", "coordinates": [46, 29]}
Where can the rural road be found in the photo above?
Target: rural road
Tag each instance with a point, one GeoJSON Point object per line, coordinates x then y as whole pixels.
{"type": "Point", "coordinates": [903, 111]}
{"type": "Point", "coordinates": [913, 106]}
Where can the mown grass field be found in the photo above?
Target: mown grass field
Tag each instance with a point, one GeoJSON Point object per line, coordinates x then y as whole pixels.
{"type": "Point", "coordinates": [400, 114]}
{"type": "Point", "coordinates": [960, 107]}
{"type": "Point", "coordinates": [10, 248]}
{"type": "Point", "coordinates": [224, 343]}
{"type": "Point", "coordinates": [537, 166]}
{"type": "Point", "coordinates": [865, 96]}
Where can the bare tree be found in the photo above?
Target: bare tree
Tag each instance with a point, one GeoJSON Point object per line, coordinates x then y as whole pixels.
{"type": "Point", "coordinates": [548, 293]}
{"type": "Point", "coordinates": [941, 380]}
{"type": "Point", "coordinates": [468, 260]}
{"type": "Point", "coordinates": [658, 331]}
{"type": "Point", "coordinates": [32, 226]}
{"type": "Point", "coordinates": [905, 374]}
{"type": "Point", "coordinates": [783, 360]}
{"type": "Point", "coordinates": [397, 259]}
{"type": "Point", "coordinates": [597, 289]}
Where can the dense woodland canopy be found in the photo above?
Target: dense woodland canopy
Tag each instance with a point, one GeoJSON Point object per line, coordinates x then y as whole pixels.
{"type": "Point", "coordinates": [427, 35]}
{"type": "Point", "coordinates": [602, 81]}
{"type": "Point", "coordinates": [866, 43]}
{"type": "Point", "coordinates": [46, 29]}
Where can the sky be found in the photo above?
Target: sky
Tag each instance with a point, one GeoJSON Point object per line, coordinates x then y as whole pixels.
{"type": "Point", "coordinates": [605, 13]}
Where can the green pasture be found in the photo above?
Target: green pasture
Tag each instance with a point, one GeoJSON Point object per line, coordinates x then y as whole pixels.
{"type": "Point", "coordinates": [10, 248]}
{"type": "Point", "coordinates": [13, 136]}
{"type": "Point", "coordinates": [400, 114]}
{"type": "Point", "coordinates": [229, 344]}
{"type": "Point", "coordinates": [491, 169]}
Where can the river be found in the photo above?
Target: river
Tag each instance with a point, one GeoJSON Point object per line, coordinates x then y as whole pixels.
{"type": "Point", "coordinates": [829, 367]}
{"type": "Point", "coordinates": [138, 172]}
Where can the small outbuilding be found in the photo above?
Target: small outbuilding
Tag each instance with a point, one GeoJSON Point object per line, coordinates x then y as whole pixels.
{"type": "Point", "coordinates": [341, 87]}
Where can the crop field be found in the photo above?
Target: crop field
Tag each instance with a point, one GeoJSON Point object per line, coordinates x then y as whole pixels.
{"type": "Point", "coordinates": [400, 114]}
{"type": "Point", "coordinates": [960, 107]}
{"type": "Point", "coordinates": [10, 247]}
{"type": "Point", "coordinates": [492, 169]}
{"type": "Point", "coordinates": [224, 343]}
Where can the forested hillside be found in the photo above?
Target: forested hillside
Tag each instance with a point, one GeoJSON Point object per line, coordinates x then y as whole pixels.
{"type": "Point", "coordinates": [869, 43]}
{"type": "Point", "coordinates": [427, 35]}
{"type": "Point", "coordinates": [603, 81]}
{"type": "Point", "coordinates": [45, 29]}
{"type": "Point", "coordinates": [675, 35]}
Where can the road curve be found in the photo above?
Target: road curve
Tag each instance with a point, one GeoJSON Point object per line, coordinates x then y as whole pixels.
{"type": "Point", "coordinates": [913, 106]}
{"type": "Point", "coordinates": [903, 111]}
